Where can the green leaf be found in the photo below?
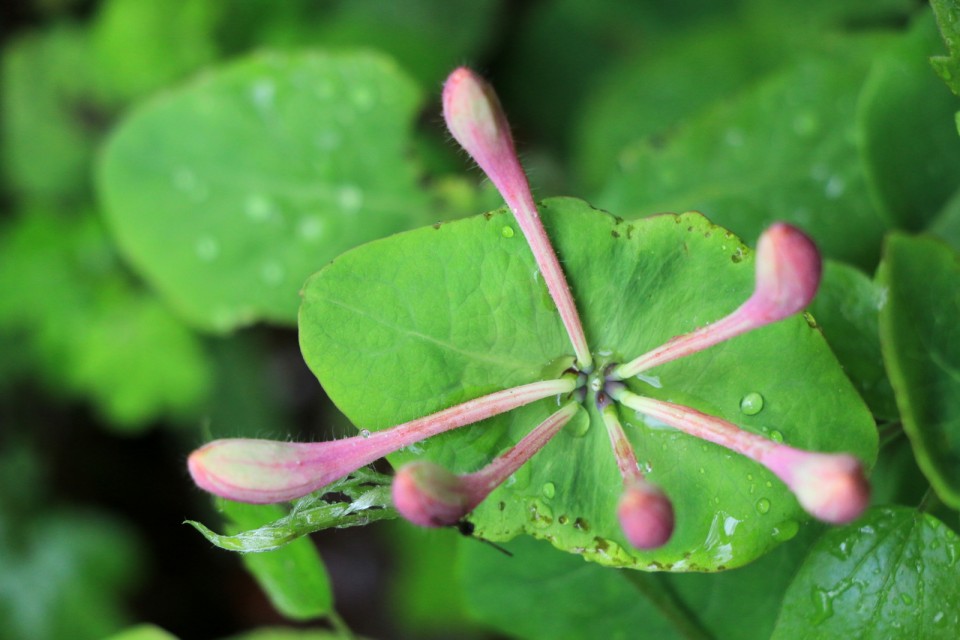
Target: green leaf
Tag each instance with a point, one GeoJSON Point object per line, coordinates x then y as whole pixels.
{"type": "Point", "coordinates": [891, 575]}
{"type": "Point", "coordinates": [143, 632]}
{"type": "Point", "coordinates": [367, 500]}
{"type": "Point", "coordinates": [921, 348]}
{"type": "Point", "coordinates": [143, 45]}
{"type": "Point", "coordinates": [91, 332]}
{"type": "Point", "coordinates": [281, 633]}
{"type": "Point", "coordinates": [906, 119]}
{"type": "Point", "coordinates": [538, 594]}
{"type": "Point", "coordinates": [783, 151]}
{"type": "Point", "coordinates": [947, 223]}
{"type": "Point", "coordinates": [948, 20]}
{"type": "Point", "coordinates": [847, 309]}
{"type": "Point", "coordinates": [406, 326]}
{"type": "Point", "coordinates": [655, 90]}
{"type": "Point", "coordinates": [49, 123]}
{"type": "Point", "coordinates": [293, 577]}
{"type": "Point", "coordinates": [227, 193]}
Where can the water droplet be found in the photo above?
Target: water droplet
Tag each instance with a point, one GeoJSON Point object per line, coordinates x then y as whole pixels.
{"type": "Point", "coordinates": [905, 598]}
{"type": "Point", "coordinates": [653, 381]}
{"type": "Point", "coordinates": [311, 228]}
{"type": "Point", "coordinates": [507, 231]}
{"type": "Point", "coordinates": [186, 181]}
{"type": "Point", "coordinates": [805, 124]}
{"type": "Point", "coordinates": [786, 530]}
{"type": "Point", "coordinates": [365, 433]}
{"type": "Point", "coordinates": [763, 506]}
{"type": "Point", "coordinates": [260, 208]}
{"type": "Point", "coordinates": [272, 273]}
{"type": "Point", "coordinates": [733, 137]}
{"type": "Point", "coordinates": [702, 470]}
{"type": "Point", "coordinates": [549, 490]}
{"type": "Point", "coordinates": [350, 198]}
{"type": "Point", "coordinates": [262, 93]}
{"type": "Point", "coordinates": [363, 98]}
{"type": "Point", "coordinates": [207, 249]}
{"type": "Point", "coordinates": [835, 187]}
{"type": "Point", "coordinates": [751, 404]}
{"type": "Point", "coordinates": [329, 140]}
{"type": "Point", "coordinates": [776, 436]}
{"type": "Point", "coordinates": [823, 602]}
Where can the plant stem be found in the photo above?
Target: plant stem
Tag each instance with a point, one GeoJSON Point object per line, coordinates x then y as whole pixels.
{"type": "Point", "coordinates": [662, 597]}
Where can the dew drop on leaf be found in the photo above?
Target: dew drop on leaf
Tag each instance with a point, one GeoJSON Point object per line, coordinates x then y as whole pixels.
{"type": "Point", "coordinates": [272, 273]}
{"type": "Point", "coordinates": [259, 208]}
{"type": "Point", "coordinates": [311, 228]}
{"type": "Point", "coordinates": [207, 249]}
{"type": "Point", "coordinates": [549, 490]}
{"type": "Point", "coordinates": [506, 231]}
{"type": "Point", "coordinates": [763, 506]}
{"type": "Point", "coordinates": [786, 530]}
{"type": "Point", "coordinates": [751, 404]}
{"type": "Point", "coordinates": [776, 436]}
{"type": "Point", "coordinates": [365, 433]}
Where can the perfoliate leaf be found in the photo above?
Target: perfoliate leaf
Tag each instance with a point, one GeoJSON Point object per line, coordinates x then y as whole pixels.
{"type": "Point", "coordinates": [406, 326]}
{"type": "Point", "coordinates": [891, 575]}
{"type": "Point", "coordinates": [921, 347]}
{"type": "Point", "coordinates": [228, 193]}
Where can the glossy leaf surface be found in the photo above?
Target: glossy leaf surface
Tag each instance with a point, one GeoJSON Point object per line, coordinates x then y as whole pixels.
{"type": "Point", "coordinates": [891, 575]}
{"type": "Point", "coordinates": [467, 314]}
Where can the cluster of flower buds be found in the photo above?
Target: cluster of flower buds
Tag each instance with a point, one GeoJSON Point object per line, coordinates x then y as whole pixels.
{"type": "Point", "coordinates": [831, 487]}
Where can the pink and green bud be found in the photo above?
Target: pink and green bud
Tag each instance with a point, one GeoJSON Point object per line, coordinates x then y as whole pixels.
{"type": "Point", "coordinates": [265, 471]}
{"type": "Point", "coordinates": [788, 269]}
{"type": "Point", "coordinates": [428, 495]}
{"type": "Point", "coordinates": [476, 120]}
{"type": "Point", "coordinates": [830, 486]}
{"type": "Point", "coordinates": [644, 511]}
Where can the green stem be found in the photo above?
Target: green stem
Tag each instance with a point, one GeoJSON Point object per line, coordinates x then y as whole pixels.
{"type": "Point", "coordinates": [339, 626]}
{"type": "Point", "coordinates": [929, 502]}
{"type": "Point", "coordinates": [656, 589]}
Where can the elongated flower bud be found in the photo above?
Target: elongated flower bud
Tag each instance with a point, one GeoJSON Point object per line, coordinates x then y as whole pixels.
{"type": "Point", "coordinates": [475, 118]}
{"type": "Point", "coordinates": [829, 486]}
{"type": "Point", "coordinates": [788, 269]}
{"type": "Point", "coordinates": [265, 471]}
{"type": "Point", "coordinates": [644, 511]}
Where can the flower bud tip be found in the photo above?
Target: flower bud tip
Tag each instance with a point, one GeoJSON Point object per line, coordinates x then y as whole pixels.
{"type": "Point", "coordinates": [646, 516]}
{"type": "Point", "coordinates": [428, 495]}
{"type": "Point", "coordinates": [788, 272]}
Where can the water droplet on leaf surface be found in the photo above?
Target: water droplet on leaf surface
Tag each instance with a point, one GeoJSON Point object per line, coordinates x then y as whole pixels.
{"type": "Point", "coordinates": [365, 433]}
{"type": "Point", "coordinates": [751, 404]}
{"type": "Point", "coordinates": [507, 231]}
{"type": "Point", "coordinates": [207, 249]}
{"type": "Point", "coordinates": [763, 506]}
{"type": "Point", "coordinates": [549, 490]}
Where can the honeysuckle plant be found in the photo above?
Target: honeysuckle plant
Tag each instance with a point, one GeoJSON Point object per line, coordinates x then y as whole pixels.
{"type": "Point", "coordinates": [498, 376]}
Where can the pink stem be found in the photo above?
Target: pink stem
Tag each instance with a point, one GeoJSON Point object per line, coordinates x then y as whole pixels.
{"type": "Point", "coordinates": [477, 121]}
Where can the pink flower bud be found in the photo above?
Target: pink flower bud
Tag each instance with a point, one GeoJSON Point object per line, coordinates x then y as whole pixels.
{"type": "Point", "coordinates": [787, 276]}
{"type": "Point", "coordinates": [831, 487]}
{"type": "Point", "coordinates": [428, 495]}
{"type": "Point", "coordinates": [646, 516]}
{"type": "Point", "coordinates": [788, 273]}
{"type": "Point", "coordinates": [476, 120]}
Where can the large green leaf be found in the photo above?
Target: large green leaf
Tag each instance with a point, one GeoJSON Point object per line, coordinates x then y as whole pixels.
{"type": "Point", "coordinates": [905, 119]}
{"type": "Point", "coordinates": [409, 325]}
{"type": "Point", "coordinates": [783, 151]}
{"type": "Point", "coordinates": [228, 193]}
{"type": "Point", "coordinates": [847, 308]}
{"type": "Point", "coordinates": [921, 347]}
{"type": "Point", "coordinates": [892, 575]}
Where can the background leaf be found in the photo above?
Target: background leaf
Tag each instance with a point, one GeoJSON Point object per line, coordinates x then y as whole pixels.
{"type": "Point", "coordinates": [228, 193]}
{"type": "Point", "coordinates": [921, 347]}
{"type": "Point", "coordinates": [893, 574]}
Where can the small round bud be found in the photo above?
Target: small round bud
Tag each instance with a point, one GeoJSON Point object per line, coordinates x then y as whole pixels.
{"type": "Point", "coordinates": [788, 272]}
{"type": "Point", "coordinates": [832, 488]}
{"type": "Point", "coordinates": [646, 516]}
{"type": "Point", "coordinates": [428, 495]}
